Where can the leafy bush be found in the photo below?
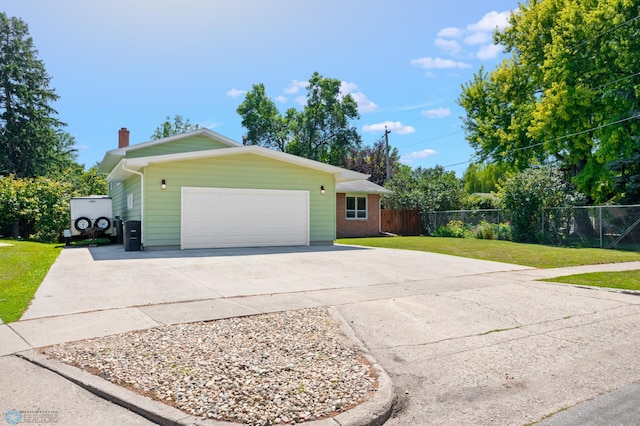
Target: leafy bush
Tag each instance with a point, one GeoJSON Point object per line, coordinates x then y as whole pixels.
{"type": "Point", "coordinates": [525, 194]}
{"type": "Point", "coordinates": [491, 231]}
{"type": "Point", "coordinates": [486, 231]}
{"type": "Point", "coordinates": [39, 206]}
{"type": "Point", "coordinates": [454, 228]}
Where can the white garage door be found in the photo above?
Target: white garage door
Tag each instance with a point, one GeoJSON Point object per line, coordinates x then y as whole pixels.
{"type": "Point", "coordinates": [226, 217]}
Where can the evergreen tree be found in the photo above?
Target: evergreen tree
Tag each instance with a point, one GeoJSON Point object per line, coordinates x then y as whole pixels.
{"type": "Point", "coordinates": [27, 123]}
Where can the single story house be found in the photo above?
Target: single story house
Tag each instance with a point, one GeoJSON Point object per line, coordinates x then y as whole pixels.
{"type": "Point", "coordinates": [203, 190]}
{"type": "Point", "coordinates": [358, 208]}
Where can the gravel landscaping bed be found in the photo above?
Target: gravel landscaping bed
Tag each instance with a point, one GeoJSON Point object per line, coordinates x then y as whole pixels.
{"type": "Point", "coordinates": [286, 367]}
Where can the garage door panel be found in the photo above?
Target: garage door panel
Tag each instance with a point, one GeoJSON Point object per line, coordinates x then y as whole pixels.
{"type": "Point", "coordinates": [229, 217]}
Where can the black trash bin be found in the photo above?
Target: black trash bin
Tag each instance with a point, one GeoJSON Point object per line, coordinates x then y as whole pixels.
{"type": "Point", "coordinates": [132, 231]}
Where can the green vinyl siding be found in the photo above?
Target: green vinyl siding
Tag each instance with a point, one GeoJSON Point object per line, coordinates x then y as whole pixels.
{"type": "Point", "coordinates": [162, 207]}
{"type": "Point", "coordinates": [119, 191]}
{"type": "Point", "coordinates": [194, 143]}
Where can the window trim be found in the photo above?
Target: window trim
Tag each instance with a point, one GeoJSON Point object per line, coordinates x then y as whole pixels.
{"type": "Point", "coordinates": [356, 210]}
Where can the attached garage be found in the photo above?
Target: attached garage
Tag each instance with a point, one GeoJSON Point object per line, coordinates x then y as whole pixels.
{"type": "Point", "coordinates": [230, 217]}
{"type": "Point", "coordinates": [204, 190]}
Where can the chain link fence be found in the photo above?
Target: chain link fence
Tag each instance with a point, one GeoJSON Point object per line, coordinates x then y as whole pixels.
{"type": "Point", "coordinates": [614, 227]}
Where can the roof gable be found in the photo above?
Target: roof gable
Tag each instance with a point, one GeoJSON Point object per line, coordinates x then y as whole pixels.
{"type": "Point", "coordinates": [126, 165]}
{"type": "Point", "coordinates": [361, 186]}
{"type": "Point", "coordinates": [197, 140]}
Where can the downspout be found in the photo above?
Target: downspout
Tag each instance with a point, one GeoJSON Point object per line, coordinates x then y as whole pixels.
{"type": "Point", "coordinates": [380, 214]}
{"type": "Point", "coordinates": [141, 201]}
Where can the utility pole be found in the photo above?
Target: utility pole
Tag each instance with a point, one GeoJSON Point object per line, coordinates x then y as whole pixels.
{"type": "Point", "coordinates": [386, 138]}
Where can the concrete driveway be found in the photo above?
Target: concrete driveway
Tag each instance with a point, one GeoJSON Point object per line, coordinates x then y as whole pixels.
{"type": "Point", "coordinates": [464, 341]}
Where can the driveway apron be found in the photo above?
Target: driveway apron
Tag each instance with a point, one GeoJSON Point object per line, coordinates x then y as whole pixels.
{"type": "Point", "coordinates": [464, 341]}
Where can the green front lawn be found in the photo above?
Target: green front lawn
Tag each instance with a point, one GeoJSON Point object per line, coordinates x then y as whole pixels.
{"type": "Point", "coordinates": [23, 266]}
{"type": "Point", "coordinates": [626, 280]}
{"type": "Point", "coordinates": [535, 255]}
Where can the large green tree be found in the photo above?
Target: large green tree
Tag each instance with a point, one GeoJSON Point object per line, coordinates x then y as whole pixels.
{"type": "Point", "coordinates": [372, 160]}
{"type": "Point", "coordinates": [177, 126]}
{"type": "Point", "coordinates": [264, 123]}
{"type": "Point", "coordinates": [323, 130]}
{"type": "Point", "coordinates": [424, 189]}
{"type": "Point", "coordinates": [483, 178]}
{"type": "Point", "coordinates": [27, 119]}
{"type": "Point", "coordinates": [568, 94]}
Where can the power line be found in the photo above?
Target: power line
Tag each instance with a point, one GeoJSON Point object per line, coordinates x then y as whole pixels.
{"type": "Point", "coordinates": [616, 81]}
{"type": "Point", "coordinates": [534, 145]}
{"type": "Point", "coordinates": [434, 138]}
{"type": "Point", "coordinates": [582, 43]}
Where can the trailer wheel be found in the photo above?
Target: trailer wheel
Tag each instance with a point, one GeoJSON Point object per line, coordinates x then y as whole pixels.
{"type": "Point", "coordinates": [103, 223]}
{"type": "Point", "coordinates": [82, 224]}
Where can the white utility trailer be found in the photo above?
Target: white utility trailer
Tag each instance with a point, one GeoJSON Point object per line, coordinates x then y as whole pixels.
{"type": "Point", "coordinates": [91, 217]}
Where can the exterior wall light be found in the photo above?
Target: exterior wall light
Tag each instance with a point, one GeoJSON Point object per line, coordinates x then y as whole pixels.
{"type": "Point", "coordinates": [163, 186]}
{"type": "Point", "coordinates": [322, 189]}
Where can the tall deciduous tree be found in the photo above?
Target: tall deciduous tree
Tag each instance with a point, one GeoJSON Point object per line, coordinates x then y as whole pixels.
{"type": "Point", "coordinates": [264, 123]}
{"type": "Point", "coordinates": [567, 94]}
{"type": "Point", "coordinates": [27, 122]}
{"type": "Point", "coordinates": [177, 126]}
{"type": "Point", "coordinates": [371, 160]}
{"type": "Point", "coordinates": [322, 130]}
{"type": "Point", "coordinates": [483, 178]}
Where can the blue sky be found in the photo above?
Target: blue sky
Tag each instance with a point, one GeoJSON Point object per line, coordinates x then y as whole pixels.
{"type": "Point", "coordinates": [130, 63]}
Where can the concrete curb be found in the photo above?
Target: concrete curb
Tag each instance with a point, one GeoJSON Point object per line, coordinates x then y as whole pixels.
{"type": "Point", "coordinates": [373, 412]}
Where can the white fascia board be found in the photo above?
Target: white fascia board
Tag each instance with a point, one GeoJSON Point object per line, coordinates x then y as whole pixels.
{"type": "Point", "coordinates": [340, 174]}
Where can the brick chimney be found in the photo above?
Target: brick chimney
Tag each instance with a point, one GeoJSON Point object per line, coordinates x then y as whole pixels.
{"type": "Point", "coordinates": [123, 138]}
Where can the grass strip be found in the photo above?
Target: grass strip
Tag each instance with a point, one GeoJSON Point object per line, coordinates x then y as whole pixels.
{"type": "Point", "coordinates": [23, 266]}
{"type": "Point", "coordinates": [534, 255]}
{"type": "Point", "coordinates": [625, 280]}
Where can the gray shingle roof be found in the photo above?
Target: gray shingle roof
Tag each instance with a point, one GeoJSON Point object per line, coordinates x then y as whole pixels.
{"type": "Point", "coordinates": [361, 187]}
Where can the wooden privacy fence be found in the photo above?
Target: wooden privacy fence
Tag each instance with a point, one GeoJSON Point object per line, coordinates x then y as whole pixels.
{"type": "Point", "coordinates": [401, 222]}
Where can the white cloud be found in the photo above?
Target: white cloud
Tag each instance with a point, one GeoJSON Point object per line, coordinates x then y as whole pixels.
{"type": "Point", "coordinates": [346, 87]}
{"type": "Point", "coordinates": [437, 113]}
{"type": "Point", "coordinates": [451, 47]}
{"type": "Point", "coordinates": [210, 124]}
{"type": "Point", "coordinates": [488, 52]}
{"type": "Point", "coordinates": [451, 32]}
{"type": "Point", "coordinates": [479, 35]}
{"type": "Point", "coordinates": [393, 126]}
{"type": "Point", "coordinates": [301, 100]}
{"type": "Point", "coordinates": [438, 63]}
{"type": "Point", "coordinates": [365, 105]}
{"type": "Point", "coordinates": [477, 38]}
{"type": "Point", "coordinates": [408, 158]}
{"type": "Point", "coordinates": [281, 99]}
{"type": "Point", "coordinates": [491, 21]}
{"type": "Point", "coordinates": [236, 93]}
{"type": "Point", "coordinates": [295, 86]}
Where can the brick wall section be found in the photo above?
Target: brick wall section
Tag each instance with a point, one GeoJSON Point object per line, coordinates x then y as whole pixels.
{"type": "Point", "coordinates": [358, 228]}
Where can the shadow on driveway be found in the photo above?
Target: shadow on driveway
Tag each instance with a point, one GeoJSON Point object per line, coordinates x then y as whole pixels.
{"type": "Point", "coordinates": [116, 252]}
